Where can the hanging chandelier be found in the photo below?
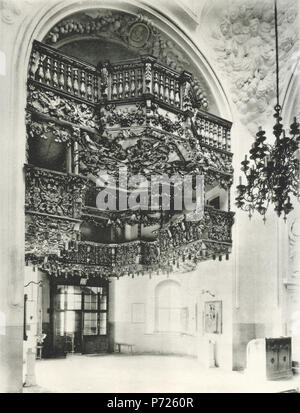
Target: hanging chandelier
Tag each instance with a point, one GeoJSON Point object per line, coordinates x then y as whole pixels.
{"type": "Point", "coordinates": [272, 173]}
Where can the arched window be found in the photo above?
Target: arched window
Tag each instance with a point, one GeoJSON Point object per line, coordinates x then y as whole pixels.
{"type": "Point", "coordinates": [170, 315]}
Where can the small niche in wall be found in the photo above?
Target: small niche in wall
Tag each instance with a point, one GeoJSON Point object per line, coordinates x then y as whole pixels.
{"type": "Point", "coordinates": [137, 313]}
{"type": "Point", "coordinates": [213, 317]}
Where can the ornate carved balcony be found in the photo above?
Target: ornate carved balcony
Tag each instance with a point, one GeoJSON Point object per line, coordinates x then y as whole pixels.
{"type": "Point", "coordinates": [53, 205]}
{"type": "Point", "coordinates": [55, 210]}
{"type": "Point", "coordinates": [109, 105]}
{"type": "Point", "coordinates": [137, 114]}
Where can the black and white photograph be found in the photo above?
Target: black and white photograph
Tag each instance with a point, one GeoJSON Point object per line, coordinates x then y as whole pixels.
{"type": "Point", "coordinates": [150, 189]}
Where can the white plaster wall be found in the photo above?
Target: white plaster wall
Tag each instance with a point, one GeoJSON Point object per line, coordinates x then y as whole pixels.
{"type": "Point", "coordinates": [249, 284]}
{"type": "Point", "coordinates": [214, 277]}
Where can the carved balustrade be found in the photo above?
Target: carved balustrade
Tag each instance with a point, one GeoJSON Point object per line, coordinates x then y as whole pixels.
{"type": "Point", "coordinates": [126, 80]}
{"type": "Point", "coordinates": [68, 75]}
{"type": "Point", "coordinates": [212, 130]}
{"type": "Point", "coordinates": [137, 113]}
{"type": "Point", "coordinates": [55, 208]}
{"type": "Point", "coordinates": [82, 258]}
{"type": "Point", "coordinates": [119, 101]}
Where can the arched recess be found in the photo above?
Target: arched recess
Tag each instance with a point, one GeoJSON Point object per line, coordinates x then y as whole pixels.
{"type": "Point", "coordinates": [170, 316]}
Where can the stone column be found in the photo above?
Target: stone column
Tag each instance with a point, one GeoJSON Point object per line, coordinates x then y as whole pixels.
{"type": "Point", "coordinates": [12, 157]}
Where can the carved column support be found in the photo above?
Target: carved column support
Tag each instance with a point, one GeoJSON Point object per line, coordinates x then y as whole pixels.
{"type": "Point", "coordinates": [185, 86]}
{"type": "Point", "coordinates": [105, 79]}
{"type": "Point", "coordinates": [148, 89]}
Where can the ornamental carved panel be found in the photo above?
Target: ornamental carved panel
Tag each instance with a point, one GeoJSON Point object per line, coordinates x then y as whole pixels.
{"type": "Point", "coordinates": [54, 193]}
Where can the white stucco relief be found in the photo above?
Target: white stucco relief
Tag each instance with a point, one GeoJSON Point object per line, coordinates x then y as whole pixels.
{"type": "Point", "coordinates": [242, 40]}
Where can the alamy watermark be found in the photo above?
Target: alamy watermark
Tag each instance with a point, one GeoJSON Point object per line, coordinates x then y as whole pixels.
{"type": "Point", "coordinates": [159, 193]}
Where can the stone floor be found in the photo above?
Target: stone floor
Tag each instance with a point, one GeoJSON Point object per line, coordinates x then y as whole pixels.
{"type": "Point", "coordinates": [120, 373]}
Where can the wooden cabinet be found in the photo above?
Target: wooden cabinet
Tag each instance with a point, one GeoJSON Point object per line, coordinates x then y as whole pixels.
{"type": "Point", "coordinates": [278, 357]}
{"type": "Point", "coordinates": [270, 358]}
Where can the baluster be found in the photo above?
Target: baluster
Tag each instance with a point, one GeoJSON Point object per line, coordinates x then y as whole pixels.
{"type": "Point", "coordinates": [214, 135]}
{"type": "Point", "coordinates": [75, 82]}
{"type": "Point", "coordinates": [167, 89]}
{"type": "Point", "coordinates": [161, 89]}
{"type": "Point", "coordinates": [82, 83]}
{"type": "Point", "coordinates": [172, 91]}
{"type": "Point", "coordinates": [55, 76]}
{"type": "Point", "coordinates": [32, 65]}
{"type": "Point", "coordinates": [155, 84]}
{"type": "Point", "coordinates": [148, 77]}
{"type": "Point", "coordinates": [139, 82]}
{"type": "Point", "coordinates": [202, 129]}
{"type": "Point", "coordinates": [76, 158]}
{"type": "Point", "coordinates": [41, 74]}
{"type": "Point", "coordinates": [132, 86]}
{"type": "Point", "coordinates": [177, 95]}
{"type": "Point", "coordinates": [220, 143]}
{"type": "Point", "coordinates": [89, 87]}
{"type": "Point", "coordinates": [211, 134]}
{"type": "Point", "coordinates": [95, 88]}
{"type": "Point", "coordinates": [228, 140]}
{"type": "Point", "coordinates": [126, 85]}
{"type": "Point", "coordinates": [120, 85]}
{"type": "Point", "coordinates": [69, 78]}
{"type": "Point", "coordinates": [206, 133]}
{"type": "Point", "coordinates": [114, 87]}
{"type": "Point", "coordinates": [61, 80]}
{"type": "Point", "coordinates": [224, 137]}
{"type": "Point", "coordinates": [47, 72]}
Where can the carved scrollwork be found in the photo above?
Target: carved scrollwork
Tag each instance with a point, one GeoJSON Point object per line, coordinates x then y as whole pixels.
{"type": "Point", "coordinates": [54, 193]}
{"type": "Point", "coordinates": [46, 235]}
{"type": "Point", "coordinates": [44, 129]}
{"type": "Point", "coordinates": [125, 117]}
{"type": "Point", "coordinates": [215, 225]}
{"type": "Point", "coordinates": [165, 122]}
{"type": "Point", "coordinates": [50, 103]}
{"type": "Point", "coordinates": [210, 159]}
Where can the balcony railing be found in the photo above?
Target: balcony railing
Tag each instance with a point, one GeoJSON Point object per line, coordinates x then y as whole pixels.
{"type": "Point", "coordinates": [212, 130]}
{"type": "Point", "coordinates": [125, 80]}
{"type": "Point", "coordinates": [125, 83]}
{"type": "Point", "coordinates": [55, 207]}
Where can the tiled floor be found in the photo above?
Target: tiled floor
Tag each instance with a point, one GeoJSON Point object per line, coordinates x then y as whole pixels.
{"type": "Point", "coordinates": [122, 373]}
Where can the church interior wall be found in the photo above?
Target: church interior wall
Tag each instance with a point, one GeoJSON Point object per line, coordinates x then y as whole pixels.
{"type": "Point", "coordinates": [250, 285]}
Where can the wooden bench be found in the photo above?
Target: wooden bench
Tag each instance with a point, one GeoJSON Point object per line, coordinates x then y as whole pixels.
{"type": "Point", "coordinates": [129, 346]}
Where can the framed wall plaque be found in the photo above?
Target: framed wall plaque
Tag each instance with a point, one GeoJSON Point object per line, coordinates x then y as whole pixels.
{"type": "Point", "coordinates": [213, 317]}
{"type": "Point", "coordinates": [137, 313]}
